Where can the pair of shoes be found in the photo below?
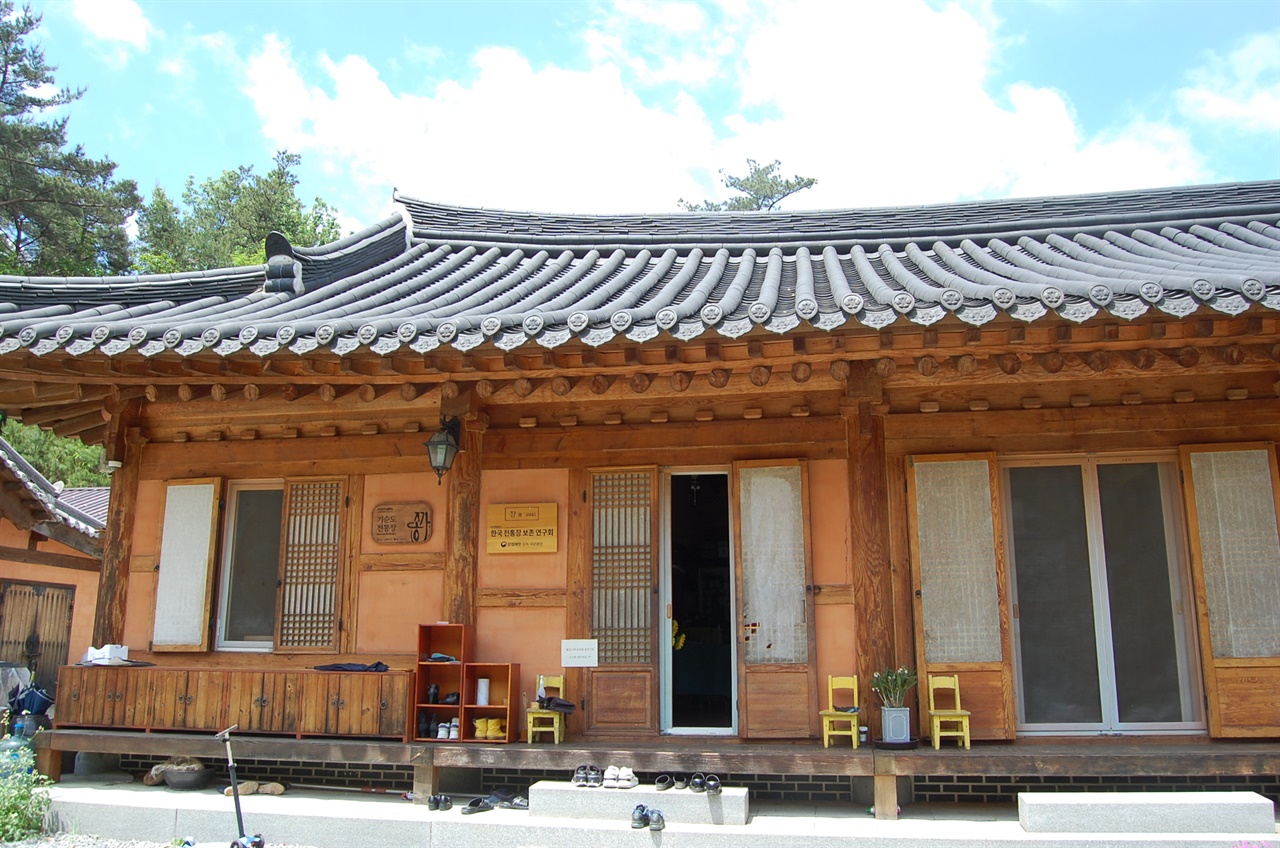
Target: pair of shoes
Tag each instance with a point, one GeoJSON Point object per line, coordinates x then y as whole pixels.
{"type": "Point", "coordinates": [450, 700]}
{"type": "Point", "coordinates": [248, 787]}
{"type": "Point", "coordinates": [642, 816]}
{"type": "Point", "coordinates": [439, 802]}
{"type": "Point", "coordinates": [490, 728]}
{"type": "Point", "coordinates": [619, 778]}
{"type": "Point", "coordinates": [477, 805]}
{"type": "Point", "coordinates": [586, 775]}
{"type": "Point", "coordinates": [433, 693]}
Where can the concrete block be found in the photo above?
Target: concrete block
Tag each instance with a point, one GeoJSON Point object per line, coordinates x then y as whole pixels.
{"type": "Point", "coordinates": [558, 799]}
{"type": "Point", "coordinates": [1146, 812]}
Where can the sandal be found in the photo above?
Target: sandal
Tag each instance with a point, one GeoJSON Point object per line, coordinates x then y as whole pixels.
{"type": "Point", "coordinates": [680, 781]}
{"type": "Point", "coordinates": [663, 783]}
{"type": "Point", "coordinates": [698, 783]}
{"type": "Point", "coordinates": [713, 785]}
{"type": "Point", "coordinates": [477, 805]}
{"type": "Point", "coordinates": [517, 803]}
{"type": "Point", "coordinates": [579, 776]}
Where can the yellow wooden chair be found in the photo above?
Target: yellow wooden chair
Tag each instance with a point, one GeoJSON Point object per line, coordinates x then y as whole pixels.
{"type": "Point", "coordinates": [949, 720]}
{"type": "Point", "coordinates": [547, 721]}
{"type": "Point", "coordinates": [832, 719]}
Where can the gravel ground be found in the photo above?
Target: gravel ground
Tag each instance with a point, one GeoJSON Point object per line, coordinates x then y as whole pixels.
{"type": "Point", "coordinates": [71, 840]}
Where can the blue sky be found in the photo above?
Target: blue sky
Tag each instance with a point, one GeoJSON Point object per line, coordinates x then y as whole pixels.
{"type": "Point", "coordinates": [628, 106]}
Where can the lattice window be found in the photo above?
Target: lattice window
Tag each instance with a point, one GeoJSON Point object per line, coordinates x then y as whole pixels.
{"type": "Point", "coordinates": [312, 557]}
{"type": "Point", "coordinates": [622, 566]}
{"type": "Point", "coordinates": [955, 536]}
{"type": "Point", "coordinates": [1240, 550]}
{"type": "Point", "coordinates": [771, 520]}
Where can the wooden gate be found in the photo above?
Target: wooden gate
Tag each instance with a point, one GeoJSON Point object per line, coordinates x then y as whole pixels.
{"type": "Point", "coordinates": [35, 628]}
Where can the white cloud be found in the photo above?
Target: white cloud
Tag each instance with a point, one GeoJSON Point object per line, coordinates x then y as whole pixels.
{"type": "Point", "coordinates": [516, 137]}
{"type": "Point", "coordinates": [1242, 90]}
{"type": "Point", "coordinates": [904, 113]}
{"type": "Point", "coordinates": [118, 24]}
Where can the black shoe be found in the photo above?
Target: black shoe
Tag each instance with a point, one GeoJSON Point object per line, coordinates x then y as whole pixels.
{"type": "Point", "coordinates": [433, 693]}
{"type": "Point", "coordinates": [446, 803]}
{"type": "Point", "coordinates": [656, 821]}
{"type": "Point", "coordinates": [433, 729]}
{"type": "Point", "coordinates": [424, 726]}
{"type": "Point", "coordinates": [451, 699]}
{"type": "Point", "coordinates": [640, 817]}
{"type": "Point", "coordinates": [433, 803]}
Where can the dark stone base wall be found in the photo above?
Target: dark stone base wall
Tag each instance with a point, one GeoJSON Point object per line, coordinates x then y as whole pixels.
{"type": "Point", "coordinates": [960, 789]}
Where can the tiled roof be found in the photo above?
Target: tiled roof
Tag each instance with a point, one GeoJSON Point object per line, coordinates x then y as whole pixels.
{"type": "Point", "coordinates": [92, 501]}
{"type": "Point", "coordinates": [468, 277]}
{"type": "Point", "coordinates": [52, 506]}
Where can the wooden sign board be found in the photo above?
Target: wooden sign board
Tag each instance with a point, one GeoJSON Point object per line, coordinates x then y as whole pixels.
{"type": "Point", "coordinates": [522, 529]}
{"type": "Point", "coordinates": [401, 523]}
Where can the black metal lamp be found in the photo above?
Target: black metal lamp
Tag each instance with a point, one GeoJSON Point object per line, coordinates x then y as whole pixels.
{"type": "Point", "coordinates": [442, 447]}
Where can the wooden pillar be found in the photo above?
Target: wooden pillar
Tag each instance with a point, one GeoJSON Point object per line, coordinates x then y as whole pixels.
{"type": "Point", "coordinates": [863, 411]}
{"type": "Point", "coordinates": [113, 586]}
{"type": "Point", "coordinates": [463, 525]}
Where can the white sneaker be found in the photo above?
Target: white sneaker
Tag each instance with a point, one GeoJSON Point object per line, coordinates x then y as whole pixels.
{"type": "Point", "coordinates": [610, 778]}
{"type": "Point", "coordinates": [627, 778]}
{"type": "Point", "coordinates": [453, 730]}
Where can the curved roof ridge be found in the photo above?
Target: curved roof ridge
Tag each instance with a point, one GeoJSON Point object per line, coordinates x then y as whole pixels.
{"type": "Point", "coordinates": [896, 224]}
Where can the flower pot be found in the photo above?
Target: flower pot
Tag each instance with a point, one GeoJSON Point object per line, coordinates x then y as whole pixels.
{"type": "Point", "coordinates": [895, 724]}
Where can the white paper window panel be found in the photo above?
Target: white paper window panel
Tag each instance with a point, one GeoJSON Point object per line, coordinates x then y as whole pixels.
{"type": "Point", "coordinates": [182, 586]}
{"type": "Point", "coordinates": [956, 539]}
{"type": "Point", "coordinates": [1240, 551]}
{"type": "Point", "coordinates": [773, 565]}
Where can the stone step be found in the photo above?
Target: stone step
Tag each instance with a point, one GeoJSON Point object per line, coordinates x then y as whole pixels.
{"type": "Point", "coordinates": [560, 799]}
{"type": "Point", "coordinates": [1145, 812]}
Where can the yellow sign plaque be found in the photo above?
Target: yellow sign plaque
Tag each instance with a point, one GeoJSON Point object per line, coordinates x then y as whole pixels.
{"type": "Point", "coordinates": [522, 529]}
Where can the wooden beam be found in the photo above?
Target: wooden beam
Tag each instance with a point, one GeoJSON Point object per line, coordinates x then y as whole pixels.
{"type": "Point", "coordinates": [462, 527]}
{"type": "Point", "coordinates": [79, 563]}
{"type": "Point", "coordinates": [113, 589]}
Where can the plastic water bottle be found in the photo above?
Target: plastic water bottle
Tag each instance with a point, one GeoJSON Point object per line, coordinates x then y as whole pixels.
{"type": "Point", "coordinates": [11, 749]}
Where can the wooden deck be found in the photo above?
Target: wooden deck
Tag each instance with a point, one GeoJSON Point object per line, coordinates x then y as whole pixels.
{"type": "Point", "coordinates": [1174, 756]}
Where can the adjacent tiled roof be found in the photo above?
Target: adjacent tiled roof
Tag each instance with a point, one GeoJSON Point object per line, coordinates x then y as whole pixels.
{"type": "Point", "coordinates": [73, 507]}
{"type": "Point", "coordinates": [468, 277]}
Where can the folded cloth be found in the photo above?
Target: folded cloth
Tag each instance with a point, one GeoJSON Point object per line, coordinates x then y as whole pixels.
{"type": "Point", "coordinates": [439, 657]}
{"type": "Point", "coordinates": [374, 666]}
{"type": "Point", "coordinates": [558, 705]}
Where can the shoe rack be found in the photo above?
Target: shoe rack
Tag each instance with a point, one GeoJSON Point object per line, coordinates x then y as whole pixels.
{"type": "Point", "coordinates": [504, 680]}
{"type": "Point", "coordinates": [462, 676]}
{"type": "Point", "coordinates": [454, 640]}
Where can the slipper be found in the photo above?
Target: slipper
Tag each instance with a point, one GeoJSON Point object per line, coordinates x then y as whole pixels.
{"type": "Point", "coordinates": [698, 783]}
{"type": "Point", "coordinates": [664, 782]}
{"type": "Point", "coordinates": [680, 781]}
{"type": "Point", "coordinates": [627, 779]}
{"type": "Point", "coordinates": [247, 788]}
{"type": "Point", "coordinates": [594, 776]}
{"type": "Point", "coordinates": [271, 789]}
{"type": "Point", "coordinates": [713, 785]}
{"type": "Point", "coordinates": [611, 777]}
{"type": "Point", "coordinates": [477, 805]}
{"type": "Point", "coordinates": [579, 776]}
{"type": "Point", "coordinates": [517, 803]}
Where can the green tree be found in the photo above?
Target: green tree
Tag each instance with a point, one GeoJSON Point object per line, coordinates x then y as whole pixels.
{"type": "Point", "coordinates": [762, 190]}
{"type": "Point", "coordinates": [70, 461]}
{"type": "Point", "coordinates": [223, 222]}
{"type": "Point", "coordinates": [61, 212]}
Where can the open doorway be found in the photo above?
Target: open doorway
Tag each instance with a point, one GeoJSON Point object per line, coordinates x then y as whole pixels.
{"type": "Point", "coordinates": [698, 680]}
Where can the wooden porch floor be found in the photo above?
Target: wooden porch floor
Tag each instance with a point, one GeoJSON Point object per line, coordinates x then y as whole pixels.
{"type": "Point", "coordinates": [1156, 756]}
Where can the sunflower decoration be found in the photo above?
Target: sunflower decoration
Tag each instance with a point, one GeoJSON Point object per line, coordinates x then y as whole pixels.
{"type": "Point", "coordinates": [677, 638]}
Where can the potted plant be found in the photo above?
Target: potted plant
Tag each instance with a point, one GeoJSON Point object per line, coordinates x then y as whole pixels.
{"type": "Point", "coordinates": [892, 686]}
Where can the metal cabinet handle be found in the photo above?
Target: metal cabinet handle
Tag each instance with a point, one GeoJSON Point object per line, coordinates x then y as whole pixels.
{"type": "Point", "coordinates": [384, 704]}
{"type": "Point", "coordinates": [75, 696]}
